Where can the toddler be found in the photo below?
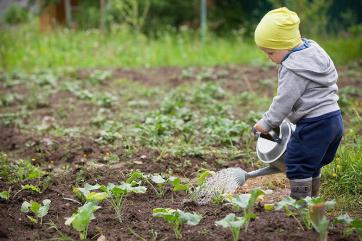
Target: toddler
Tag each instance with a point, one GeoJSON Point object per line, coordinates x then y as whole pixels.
{"type": "Point", "coordinates": [306, 96]}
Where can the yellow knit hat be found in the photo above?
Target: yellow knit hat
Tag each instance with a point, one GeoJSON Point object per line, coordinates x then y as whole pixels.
{"type": "Point", "coordinates": [278, 29]}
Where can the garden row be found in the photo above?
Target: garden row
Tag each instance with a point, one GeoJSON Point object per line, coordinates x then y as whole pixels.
{"type": "Point", "coordinates": [309, 213]}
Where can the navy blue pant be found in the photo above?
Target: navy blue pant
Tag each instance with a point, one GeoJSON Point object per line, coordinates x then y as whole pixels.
{"type": "Point", "coordinates": [313, 145]}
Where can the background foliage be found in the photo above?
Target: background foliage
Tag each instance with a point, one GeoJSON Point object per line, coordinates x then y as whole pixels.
{"type": "Point", "coordinates": [224, 16]}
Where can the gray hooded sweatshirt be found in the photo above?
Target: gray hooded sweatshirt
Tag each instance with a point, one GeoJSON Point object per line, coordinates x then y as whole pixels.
{"type": "Point", "coordinates": [306, 87]}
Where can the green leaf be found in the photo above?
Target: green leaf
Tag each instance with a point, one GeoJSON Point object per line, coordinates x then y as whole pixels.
{"type": "Point", "coordinates": [330, 204]}
{"type": "Point", "coordinates": [30, 188]}
{"type": "Point", "coordinates": [255, 193]}
{"type": "Point", "coordinates": [319, 220]}
{"type": "Point", "coordinates": [231, 221]}
{"type": "Point", "coordinates": [245, 201]}
{"type": "Point", "coordinates": [33, 220]}
{"type": "Point", "coordinates": [168, 214]}
{"type": "Point", "coordinates": [139, 189]}
{"type": "Point", "coordinates": [82, 218]}
{"type": "Point", "coordinates": [87, 188]}
{"type": "Point", "coordinates": [34, 206]}
{"type": "Point", "coordinates": [172, 215]}
{"type": "Point", "coordinates": [43, 210]}
{"type": "Point", "coordinates": [240, 201]}
{"type": "Point", "coordinates": [5, 195]}
{"type": "Point", "coordinates": [25, 207]}
{"type": "Point", "coordinates": [134, 176]}
{"type": "Point", "coordinates": [158, 179]}
{"type": "Point", "coordinates": [345, 218]}
{"type": "Point", "coordinates": [202, 176]}
{"type": "Point", "coordinates": [269, 207]}
{"type": "Point", "coordinates": [287, 201]}
{"type": "Point", "coordinates": [96, 197]}
{"type": "Point", "coordinates": [181, 187]}
{"type": "Point", "coordinates": [177, 185]}
{"type": "Point", "coordinates": [189, 218]}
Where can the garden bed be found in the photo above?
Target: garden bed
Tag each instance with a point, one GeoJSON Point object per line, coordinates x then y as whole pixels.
{"type": "Point", "coordinates": [60, 133]}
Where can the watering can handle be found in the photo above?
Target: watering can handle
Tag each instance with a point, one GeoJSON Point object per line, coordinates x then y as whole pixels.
{"type": "Point", "coordinates": [272, 135]}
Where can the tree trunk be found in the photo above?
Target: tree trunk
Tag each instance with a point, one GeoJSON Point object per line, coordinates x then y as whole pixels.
{"type": "Point", "coordinates": [103, 15]}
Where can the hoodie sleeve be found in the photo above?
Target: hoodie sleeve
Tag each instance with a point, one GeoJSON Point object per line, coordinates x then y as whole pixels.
{"type": "Point", "coordinates": [290, 88]}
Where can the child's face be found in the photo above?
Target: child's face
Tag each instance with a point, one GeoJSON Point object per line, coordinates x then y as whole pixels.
{"type": "Point", "coordinates": [276, 55]}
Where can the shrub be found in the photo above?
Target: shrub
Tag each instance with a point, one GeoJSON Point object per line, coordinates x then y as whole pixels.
{"type": "Point", "coordinates": [16, 14]}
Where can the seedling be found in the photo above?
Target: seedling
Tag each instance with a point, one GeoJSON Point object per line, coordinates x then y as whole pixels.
{"type": "Point", "coordinates": [28, 187]}
{"type": "Point", "coordinates": [177, 184]}
{"type": "Point", "coordinates": [246, 203]}
{"type": "Point", "coordinates": [177, 218]}
{"type": "Point", "coordinates": [31, 188]}
{"type": "Point", "coordinates": [353, 225]}
{"type": "Point", "coordinates": [160, 182]}
{"type": "Point", "coordinates": [202, 175]}
{"type": "Point", "coordinates": [82, 218]}
{"type": "Point", "coordinates": [156, 182]}
{"type": "Point", "coordinates": [289, 205]}
{"type": "Point", "coordinates": [317, 209]}
{"type": "Point", "coordinates": [38, 210]}
{"type": "Point", "coordinates": [232, 222]}
{"type": "Point", "coordinates": [117, 195]}
{"type": "Point", "coordinates": [303, 209]}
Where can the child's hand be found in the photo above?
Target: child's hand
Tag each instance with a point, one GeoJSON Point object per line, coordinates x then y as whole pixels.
{"type": "Point", "coordinates": [258, 128]}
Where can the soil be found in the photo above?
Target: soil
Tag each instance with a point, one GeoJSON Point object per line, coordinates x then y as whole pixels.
{"type": "Point", "coordinates": [81, 151]}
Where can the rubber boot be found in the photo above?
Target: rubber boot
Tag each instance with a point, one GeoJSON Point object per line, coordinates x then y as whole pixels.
{"type": "Point", "coordinates": [316, 182]}
{"type": "Point", "coordinates": [300, 188]}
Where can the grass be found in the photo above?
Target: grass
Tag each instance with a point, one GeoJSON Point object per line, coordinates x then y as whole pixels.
{"type": "Point", "coordinates": [342, 179]}
{"type": "Point", "coordinates": [26, 48]}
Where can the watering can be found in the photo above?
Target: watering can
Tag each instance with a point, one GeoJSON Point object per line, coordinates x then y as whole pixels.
{"type": "Point", "coordinates": [270, 149]}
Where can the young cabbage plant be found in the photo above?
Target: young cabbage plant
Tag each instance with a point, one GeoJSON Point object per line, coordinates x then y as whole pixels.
{"type": "Point", "coordinates": [246, 203]}
{"type": "Point", "coordinates": [82, 218]}
{"type": "Point", "coordinates": [202, 175]}
{"type": "Point", "coordinates": [156, 182]}
{"type": "Point", "coordinates": [353, 225]}
{"type": "Point", "coordinates": [177, 184]}
{"type": "Point", "coordinates": [117, 195]}
{"type": "Point", "coordinates": [160, 182]}
{"type": "Point", "coordinates": [28, 187]}
{"type": "Point", "coordinates": [135, 177]}
{"type": "Point", "coordinates": [177, 218]}
{"type": "Point", "coordinates": [86, 193]}
{"type": "Point", "coordinates": [232, 222]}
{"type": "Point", "coordinates": [38, 210]}
{"type": "Point", "coordinates": [297, 209]}
{"type": "Point", "coordinates": [317, 212]}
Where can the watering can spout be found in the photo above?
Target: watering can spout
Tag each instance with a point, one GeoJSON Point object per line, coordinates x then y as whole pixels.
{"type": "Point", "coordinates": [262, 172]}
